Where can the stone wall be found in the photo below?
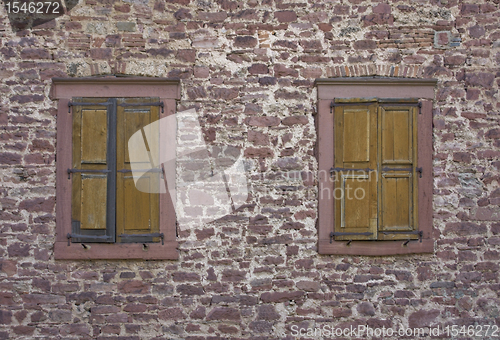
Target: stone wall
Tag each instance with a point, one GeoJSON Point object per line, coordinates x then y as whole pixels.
{"type": "Point", "coordinates": [248, 68]}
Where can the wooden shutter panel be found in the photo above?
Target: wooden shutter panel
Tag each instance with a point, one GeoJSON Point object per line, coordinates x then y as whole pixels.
{"type": "Point", "coordinates": [137, 211]}
{"type": "Point", "coordinates": [92, 184]}
{"type": "Point", "coordinates": [398, 178]}
{"type": "Point", "coordinates": [355, 190]}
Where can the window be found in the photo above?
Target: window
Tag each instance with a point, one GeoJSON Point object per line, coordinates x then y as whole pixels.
{"type": "Point", "coordinates": [375, 166]}
{"type": "Point", "coordinates": [109, 202]}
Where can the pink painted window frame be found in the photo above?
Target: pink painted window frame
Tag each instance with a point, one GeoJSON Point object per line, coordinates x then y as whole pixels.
{"type": "Point", "coordinates": [63, 90]}
{"type": "Point", "coordinates": [328, 90]}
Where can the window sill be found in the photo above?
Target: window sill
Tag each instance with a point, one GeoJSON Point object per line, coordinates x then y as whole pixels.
{"type": "Point", "coordinates": [375, 248]}
{"type": "Point", "coordinates": [116, 251]}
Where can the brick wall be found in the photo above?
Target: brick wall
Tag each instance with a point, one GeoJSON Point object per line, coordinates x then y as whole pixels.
{"type": "Point", "coordinates": [248, 68]}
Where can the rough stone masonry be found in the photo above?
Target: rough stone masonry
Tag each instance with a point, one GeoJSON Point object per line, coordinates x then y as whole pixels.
{"type": "Point", "coordinates": [249, 67]}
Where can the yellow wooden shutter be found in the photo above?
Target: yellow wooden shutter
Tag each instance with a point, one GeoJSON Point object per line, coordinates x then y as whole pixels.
{"type": "Point", "coordinates": [397, 172]}
{"type": "Point", "coordinates": [354, 173]}
{"type": "Point", "coordinates": [90, 172]}
{"type": "Point", "coordinates": [137, 211]}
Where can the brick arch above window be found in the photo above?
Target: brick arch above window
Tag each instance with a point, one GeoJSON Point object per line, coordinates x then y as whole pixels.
{"type": "Point", "coordinates": [374, 70]}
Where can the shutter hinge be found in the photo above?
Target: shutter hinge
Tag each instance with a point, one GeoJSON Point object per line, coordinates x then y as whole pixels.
{"type": "Point", "coordinates": [95, 237]}
{"type": "Point", "coordinates": [420, 234]}
{"type": "Point", "coordinates": [160, 104]}
{"type": "Point", "coordinates": [70, 104]}
{"type": "Point", "coordinates": [419, 170]}
{"type": "Point", "coordinates": [350, 170]}
{"type": "Point", "coordinates": [332, 235]}
{"type": "Point", "coordinates": [160, 235]}
{"type": "Point", "coordinates": [70, 171]}
{"type": "Point", "coordinates": [419, 108]}
{"type": "Point", "coordinates": [332, 105]}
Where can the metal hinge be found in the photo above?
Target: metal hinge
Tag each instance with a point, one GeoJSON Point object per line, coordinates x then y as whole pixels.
{"type": "Point", "coordinates": [70, 171]}
{"type": "Point", "coordinates": [161, 104]}
{"type": "Point", "coordinates": [332, 234]}
{"type": "Point", "coordinates": [420, 234]}
{"type": "Point", "coordinates": [160, 235]}
{"type": "Point", "coordinates": [70, 236]}
{"type": "Point", "coordinates": [419, 170]}
{"type": "Point", "coordinates": [140, 170]}
{"type": "Point", "coordinates": [70, 104]}
{"type": "Point", "coordinates": [332, 170]}
{"type": "Point", "coordinates": [333, 104]}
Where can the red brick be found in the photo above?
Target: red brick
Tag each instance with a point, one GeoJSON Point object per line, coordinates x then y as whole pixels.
{"type": "Point", "coordinates": [476, 31]}
{"type": "Point", "coordinates": [23, 330]}
{"type": "Point", "coordinates": [463, 157]}
{"type": "Point", "coordinates": [6, 299]}
{"type": "Point", "coordinates": [366, 308]}
{"type": "Point", "coordinates": [423, 318]}
{"type": "Point", "coordinates": [212, 17]}
{"type": "Point", "coordinates": [225, 93]}
{"type": "Point", "coordinates": [35, 53]}
{"type": "Point", "coordinates": [454, 60]}
{"type": "Point", "coordinates": [38, 204]}
{"type": "Point", "coordinates": [292, 250]}
{"type": "Point", "coordinates": [186, 55]}
{"type": "Point", "coordinates": [182, 14]}
{"type": "Point", "coordinates": [286, 44]}
{"type": "Point", "coordinates": [190, 290]}
{"type": "Point", "coordinates": [198, 313]}
{"type": "Point", "coordinates": [41, 145]}
{"type": "Point", "coordinates": [377, 19]}
{"type": "Point", "coordinates": [258, 69]}
{"type": "Point", "coordinates": [185, 276]}
{"type": "Point", "coordinates": [22, 99]}
{"type": "Point", "coordinates": [467, 9]}
{"type": "Point", "coordinates": [204, 233]}
{"type": "Point", "coordinates": [135, 308]}
{"type": "Point", "coordinates": [233, 275]}
{"type": "Point", "coordinates": [81, 330]}
{"type": "Point", "coordinates": [101, 53]}
{"type": "Point", "coordinates": [245, 41]}
{"type": "Point", "coordinates": [224, 313]}
{"type": "Point", "coordinates": [493, 133]}
{"type": "Point", "coordinates": [295, 120]}
{"type": "Point", "coordinates": [134, 287]}
{"type": "Point", "coordinates": [325, 27]}
{"type": "Point", "coordinates": [172, 314]}
{"type": "Point", "coordinates": [480, 79]}
{"type": "Point", "coordinates": [263, 121]}
{"type": "Point", "coordinates": [382, 8]}
{"type": "Point", "coordinates": [43, 299]}
{"type": "Point", "coordinates": [281, 296]}
{"type": "Point", "coordinates": [308, 286]}
{"type": "Point", "coordinates": [258, 138]}
{"type": "Point", "coordinates": [464, 228]}
{"type": "Point", "coordinates": [19, 250]}
{"type": "Point", "coordinates": [285, 16]}
{"type": "Point", "coordinates": [283, 71]}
